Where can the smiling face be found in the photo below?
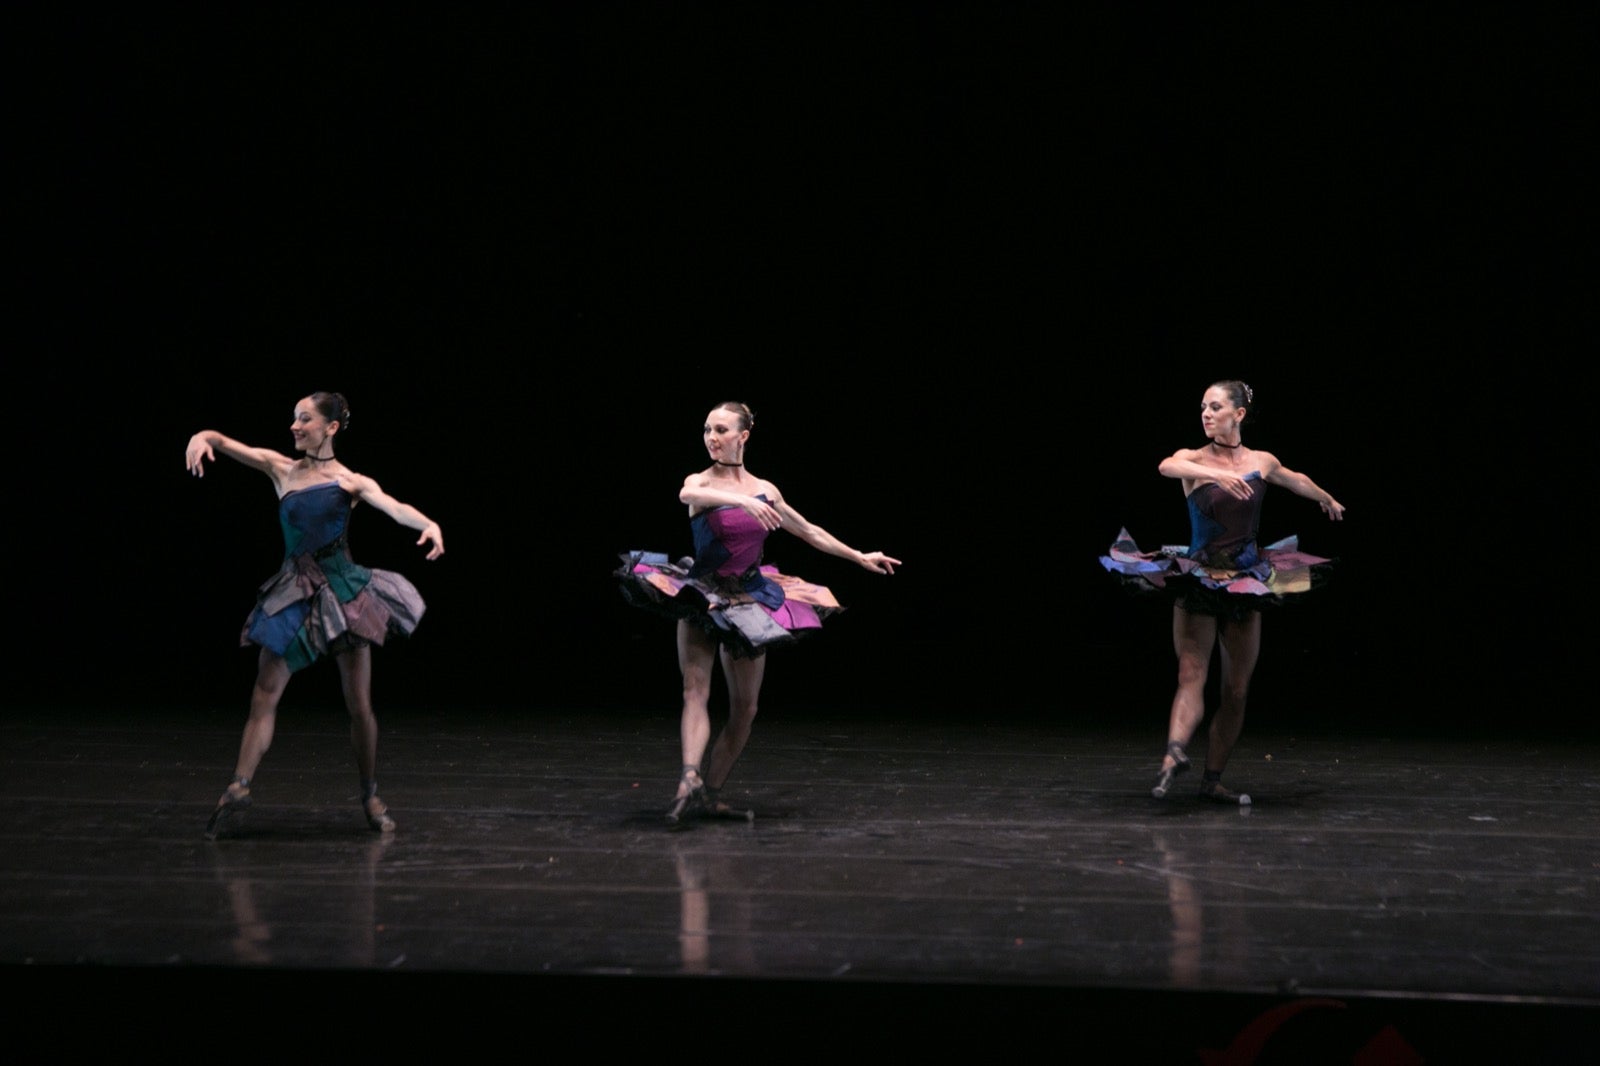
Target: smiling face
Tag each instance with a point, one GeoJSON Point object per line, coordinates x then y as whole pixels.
{"type": "Point", "coordinates": [725, 434]}
{"type": "Point", "coordinates": [1218, 415]}
{"type": "Point", "coordinates": [311, 427]}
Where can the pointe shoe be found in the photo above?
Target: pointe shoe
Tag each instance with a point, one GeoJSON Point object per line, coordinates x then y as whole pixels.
{"type": "Point", "coordinates": [375, 809]}
{"type": "Point", "coordinates": [1217, 792]}
{"type": "Point", "coordinates": [1180, 764]}
{"type": "Point", "coordinates": [692, 800]}
{"type": "Point", "coordinates": [235, 799]}
{"type": "Point", "coordinates": [716, 808]}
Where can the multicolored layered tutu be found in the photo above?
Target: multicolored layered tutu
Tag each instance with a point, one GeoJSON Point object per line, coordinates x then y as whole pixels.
{"type": "Point", "coordinates": [320, 601]}
{"type": "Point", "coordinates": [748, 613]}
{"type": "Point", "coordinates": [725, 589]}
{"type": "Point", "coordinates": [1265, 577]}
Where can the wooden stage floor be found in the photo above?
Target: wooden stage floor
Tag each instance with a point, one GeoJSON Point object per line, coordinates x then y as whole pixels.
{"type": "Point", "coordinates": [907, 886]}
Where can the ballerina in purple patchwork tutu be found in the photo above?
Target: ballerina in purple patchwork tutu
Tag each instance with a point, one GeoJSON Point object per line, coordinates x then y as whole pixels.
{"type": "Point", "coordinates": [728, 604]}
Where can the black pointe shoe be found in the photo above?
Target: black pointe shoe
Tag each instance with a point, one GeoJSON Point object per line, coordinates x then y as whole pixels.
{"type": "Point", "coordinates": [375, 809]}
{"type": "Point", "coordinates": [1180, 764]}
{"type": "Point", "coordinates": [235, 799]}
{"type": "Point", "coordinates": [716, 808]}
{"type": "Point", "coordinates": [1214, 791]}
{"type": "Point", "coordinates": [691, 801]}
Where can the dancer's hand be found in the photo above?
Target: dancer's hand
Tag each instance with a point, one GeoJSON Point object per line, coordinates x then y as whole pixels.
{"type": "Point", "coordinates": [436, 535]}
{"type": "Point", "coordinates": [879, 562]}
{"type": "Point", "coordinates": [199, 449]}
{"type": "Point", "coordinates": [762, 512]}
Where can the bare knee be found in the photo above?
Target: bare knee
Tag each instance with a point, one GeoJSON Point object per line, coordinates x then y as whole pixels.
{"type": "Point", "coordinates": [696, 687]}
{"type": "Point", "coordinates": [736, 731]}
{"type": "Point", "coordinates": [742, 714]}
{"type": "Point", "coordinates": [1192, 672]}
{"type": "Point", "coordinates": [272, 677]}
{"type": "Point", "coordinates": [264, 701]}
{"type": "Point", "coordinates": [696, 674]}
{"type": "Point", "coordinates": [358, 701]}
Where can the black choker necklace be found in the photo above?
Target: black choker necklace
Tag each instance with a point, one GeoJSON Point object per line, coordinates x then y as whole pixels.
{"type": "Point", "coordinates": [1219, 444]}
{"type": "Point", "coordinates": [721, 463]}
{"type": "Point", "coordinates": [321, 458]}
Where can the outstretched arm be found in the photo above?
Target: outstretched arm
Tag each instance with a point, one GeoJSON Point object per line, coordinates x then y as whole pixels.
{"type": "Point", "coordinates": [205, 445]}
{"type": "Point", "coordinates": [365, 489]}
{"type": "Point", "coordinates": [822, 540]}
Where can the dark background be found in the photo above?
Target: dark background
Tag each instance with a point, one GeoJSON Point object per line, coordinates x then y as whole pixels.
{"type": "Point", "coordinates": [972, 265]}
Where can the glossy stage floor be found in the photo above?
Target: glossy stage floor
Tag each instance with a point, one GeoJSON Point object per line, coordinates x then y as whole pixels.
{"type": "Point", "coordinates": [905, 886]}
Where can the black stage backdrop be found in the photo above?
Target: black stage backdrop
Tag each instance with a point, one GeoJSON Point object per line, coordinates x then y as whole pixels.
{"type": "Point", "coordinates": [972, 265]}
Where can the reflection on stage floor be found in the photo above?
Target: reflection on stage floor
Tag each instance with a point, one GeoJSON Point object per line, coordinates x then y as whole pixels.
{"type": "Point", "coordinates": [939, 877]}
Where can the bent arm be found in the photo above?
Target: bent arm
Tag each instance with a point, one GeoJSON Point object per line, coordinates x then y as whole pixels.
{"type": "Point", "coordinates": [208, 442]}
{"type": "Point", "coordinates": [1301, 485]}
{"type": "Point", "coordinates": [1184, 465]}
{"type": "Point", "coordinates": [698, 494]}
{"type": "Point", "coordinates": [367, 490]}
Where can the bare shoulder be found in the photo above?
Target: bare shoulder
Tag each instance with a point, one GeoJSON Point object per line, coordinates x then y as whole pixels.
{"type": "Point", "coordinates": [1265, 462]}
{"type": "Point", "coordinates": [358, 485]}
{"type": "Point", "coordinates": [276, 464]}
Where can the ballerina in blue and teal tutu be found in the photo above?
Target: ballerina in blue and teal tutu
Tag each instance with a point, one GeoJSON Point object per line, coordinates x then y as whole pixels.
{"type": "Point", "coordinates": [321, 602]}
